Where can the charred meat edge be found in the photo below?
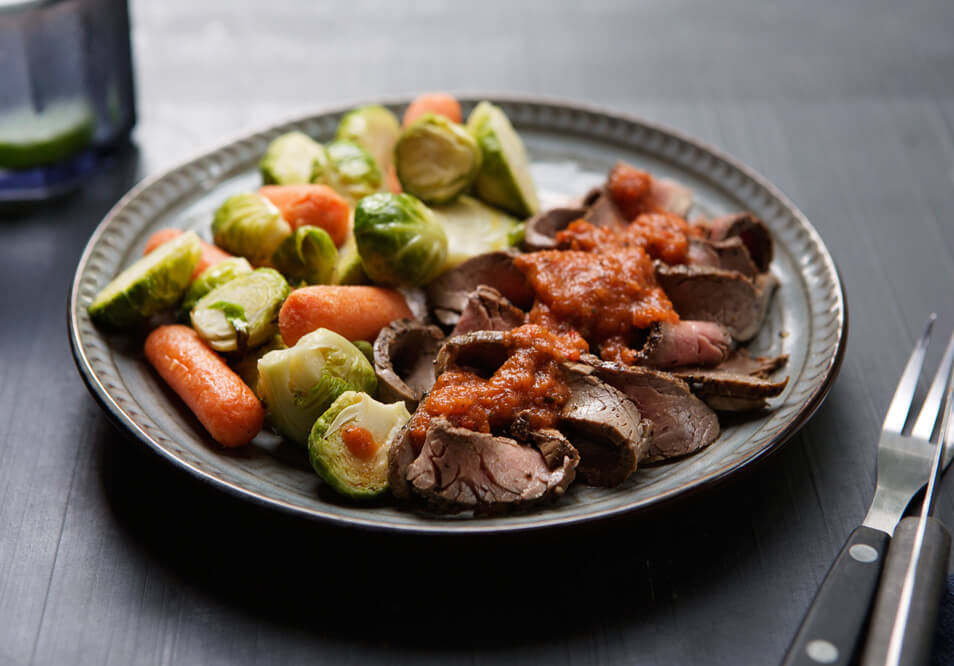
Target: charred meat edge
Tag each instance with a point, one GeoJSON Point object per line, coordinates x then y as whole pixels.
{"type": "Point", "coordinates": [750, 229]}
{"type": "Point", "coordinates": [728, 255]}
{"type": "Point", "coordinates": [447, 295]}
{"type": "Point", "coordinates": [404, 354]}
{"type": "Point", "coordinates": [488, 310]}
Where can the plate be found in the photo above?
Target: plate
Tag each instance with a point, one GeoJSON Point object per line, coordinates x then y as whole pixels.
{"type": "Point", "coordinates": [571, 148]}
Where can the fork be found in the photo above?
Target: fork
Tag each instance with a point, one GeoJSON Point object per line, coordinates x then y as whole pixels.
{"type": "Point", "coordinates": [834, 625]}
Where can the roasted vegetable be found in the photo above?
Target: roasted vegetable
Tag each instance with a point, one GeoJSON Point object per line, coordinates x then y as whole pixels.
{"type": "Point", "coordinates": [436, 159]}
{"type": "Point", "coordinates": [348, 445]}
{"type": "Point", "coordinates": [251, 226]}
{"type": "Point", "coordinates": [242, 313]}
{"type": "Point", "coordinates": [399, 239]}
{"type": "Point", "coordinates": [246, 366]}
{"type": "Point", "coordinates": [214, 276]}
{"type": "Point", "coordinates": [154, 283]}
{"type": "Point", "coordinates": [292, 159]}
{"type": "Point", "coordinates": [299, 383]}
{"type": "Point", "coordinates": [504, 179]}
{"type": "Point", "coordinates": [349, 269]}
{"type": "Point", "coordinates": [351, 171]}
{"type": "Point", "coordinates": [473, 228]}
{"type": "Point", "coordinates": [308, 256]}
{"type": "Point", "coordinates": [375, 129]}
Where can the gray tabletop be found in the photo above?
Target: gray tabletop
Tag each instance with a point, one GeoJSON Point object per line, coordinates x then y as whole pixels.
{"type": "Point", "coordinates": [108, 555]}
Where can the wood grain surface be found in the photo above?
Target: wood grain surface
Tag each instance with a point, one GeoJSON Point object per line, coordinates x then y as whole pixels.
{"type": "Point", "coordinates": [108, 555]}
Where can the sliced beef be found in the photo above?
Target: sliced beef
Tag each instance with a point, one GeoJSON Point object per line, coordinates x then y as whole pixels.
{"type": "Point", "coordinates": [551, 442]}
{"type": "Point", "coordinates": [685, 343]}
{"type": "Point", "coordinates": [604, 213]}
{"type": "Point", "coordinates": [728, 255]}
{"type": "Point", "coordinates": [542, 228]}
{"type": "Point", "coordinates": [750, 229]}
{"type": "Point", "coordinates": [404, 354]}
{"type": "Point", "coordinates": [401, 454]}
{"type": "Point", "coordinates": [670, 196]}
{"type": "Point", "coordinates": [448, 294]}
{"type": "Point", "coordinates": [739, 383]}
{"type": "Point", "coordinates": [682, 423]}
{"type": "Point", "coordinates": [725, 297]}
{"type": "Point", "coordinates": [605, 427]}
{"type": "Point", "coordinates": [480, 351]}
{"type": "Point", "coordinates": [488, 310]}
{"type": "Point", "coordinates": [460, 469]}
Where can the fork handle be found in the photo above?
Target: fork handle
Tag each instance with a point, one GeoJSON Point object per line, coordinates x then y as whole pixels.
{"type": "Point", "coordinates": [928, 580]}
{"type": "Point", "coordinates": [834, 624]}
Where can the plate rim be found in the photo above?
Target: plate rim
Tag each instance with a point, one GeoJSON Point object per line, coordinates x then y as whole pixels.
{"type": "Point", "coordinates": [128, 424]}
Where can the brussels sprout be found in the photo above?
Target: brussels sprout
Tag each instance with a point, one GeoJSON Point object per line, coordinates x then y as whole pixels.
{"type": "Point", "coordinates": [308, 255]}
{"type": "Point", "coordinates": [348, 445]}
{"type": "Point", "coordinates": [349, 269]}
{"type": "Point", "coordinates": [152, 284]}
{"type": "Point", "coordinates": [365, 348]}
{"type": "Point", "coordinates": [214, 276]}
{"type": "Point", "coordinates": [504, 179]}
{"type": "Point", "coordinates": [251, 226]}
{"type": "Point", "coordinates": [473, 228]}
{"type": "Point", "coordinates": [436, 159]}
{"type": "Point", "coordinates": [375, 129]}
{"type": "Point", "coordinates": [350, 171]}
{"type": "Point", "coordinates": [242, 313]}
{"type": "Point", "coordinates": [299, 383]}
{"type": "Point", "coordinates": [292, 159]}
{"type": "Point", "coordinates": [246, 367]}
{"type": "Point", "coordinates": [400, 241]}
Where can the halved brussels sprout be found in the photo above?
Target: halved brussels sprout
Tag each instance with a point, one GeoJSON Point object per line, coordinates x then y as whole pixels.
{"type": "Point", "coordinates": [351, 171]}
{"type": "Point", "coordinates": [504, 179]}
{"type": "Point", "coordinates": [365, 348]}
{"type": "Point", "coordinates": [214, 276]}
{"type": "Point", "coordinates": [299, 383]}
{"type": "Point", "coordinates": [375, 129]}
{"type": "Point", "coordinates": [152, 284]}
{"type": "Point", "coordinates": [349, 269]}
{"type": "Point", "coordinates": [436, 159]}
{"type": "Point", "coordinates": [242, 313]}
{"type": "Point", "coordinates": [400, 241]}
{"type": "Point", "coordinates": [307, 256]}
{"type": "Point", "coordinates": [473, 228]}
{"type": "Point", "coordinates": [292, 159]}
{"type": "Point", "coordinates": [250, 226]}
{"type": "Point", "coordinates": [348, 445]}
{"type": "Point", "coordinates": [246, 367]}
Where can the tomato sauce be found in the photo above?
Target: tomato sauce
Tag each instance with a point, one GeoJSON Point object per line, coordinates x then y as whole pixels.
{"type": "Point", "coordinates": [360, 441]}
{"type": "Point", "coordinates": [528, 382]}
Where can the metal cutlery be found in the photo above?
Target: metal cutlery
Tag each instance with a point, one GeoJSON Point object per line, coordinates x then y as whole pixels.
{"type": "Point", "coordinates": [834, 625]}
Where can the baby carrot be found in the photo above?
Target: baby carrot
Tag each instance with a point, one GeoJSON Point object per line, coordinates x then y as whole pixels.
{"type": "Point", "coordinates": [440, 103]}
{"type": "Point", "coordinates": [315, 205]}
{"type": "Point", "coordinates": [211, 254]}
{"type": "Point", "coordinates": [356, 312]}
{"type": "Point", "coordinates": [217, 396]}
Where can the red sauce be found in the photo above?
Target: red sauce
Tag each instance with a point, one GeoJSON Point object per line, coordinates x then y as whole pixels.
{"type": "Point", "coordinates": [359, 441]}
{"type": "Point", "coordinates": [629, 188]}
{"type": "Point", "coordinates": [663, 236]}
{"type": "Point", "coordinates": [528, 381]}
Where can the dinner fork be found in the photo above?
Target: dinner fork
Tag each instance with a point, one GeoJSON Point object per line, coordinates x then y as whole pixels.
{"type": "Point", "coordinates": [832, 629]}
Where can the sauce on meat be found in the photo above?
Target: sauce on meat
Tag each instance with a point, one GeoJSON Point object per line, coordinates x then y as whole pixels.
{"type": "Point", "coordinates": [528, 382]}
{"type": "Point", "coordinates": [360, 441]}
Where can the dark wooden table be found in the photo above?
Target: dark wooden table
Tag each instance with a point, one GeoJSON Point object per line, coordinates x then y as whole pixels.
{"type": "Point", "coordinates": [108, 555]}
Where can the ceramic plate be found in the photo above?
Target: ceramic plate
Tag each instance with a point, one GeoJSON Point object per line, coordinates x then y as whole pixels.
{"type": "Point", "coordinates": [571, 148]}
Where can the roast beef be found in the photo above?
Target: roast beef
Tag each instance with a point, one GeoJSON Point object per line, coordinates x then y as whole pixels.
{"type": "Point", "coordinates": [685, 343]}
{"type": "Point", "coordinates": [480, 351]}
{"type": "Point", "coordinates": [682, 423]}
{"type": "Point", "coordinates": [543, 227]}
{"type": "Point", "coordinates": [488, 310]}
{"type": "Point", "coordinates": [404, 354]}
{"type": "Point", "coordinates": [728, 255]}
{"type": "Point", "coordinates": [460, 469]}
{"type": "Point", "coordinates": [447, 295]}
{"type": "Point", "coordinates": [604, 213]}
{"type": "Point", "coordinates": [606, 428]}
{"type": "Point", "coordinates": [739, 383]}
{"type": "Point", "coordinates": [551, 442]}
{"type": "Point", "coordinates": [670, 196]}
{"type": "Point", "coordinates": [750, 229]}
{"type": "Point", "coordinates": [726, 297]}
{"type": "Point", "coordinates": [401, 454]}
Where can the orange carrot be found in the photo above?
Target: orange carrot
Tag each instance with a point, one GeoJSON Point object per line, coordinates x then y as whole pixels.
{"type": "Point", "coordinates": [211, 254]}
{"type": "Point", "coordinates": [217, 396]}
{"type": "Point", "coordinates": [392, 180]}
{"type": "Point", "coordinates": [315, 205]}
{"type": "Point", "coordinates": [440, 103]}
{"type": "Point", "coordinates": [356, 312]}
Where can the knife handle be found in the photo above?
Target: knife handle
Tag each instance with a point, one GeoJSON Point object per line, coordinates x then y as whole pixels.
{"type": "Point", "coordinates": [834, 624]}
{"type": "Point", "coordinates": [929, 577]}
